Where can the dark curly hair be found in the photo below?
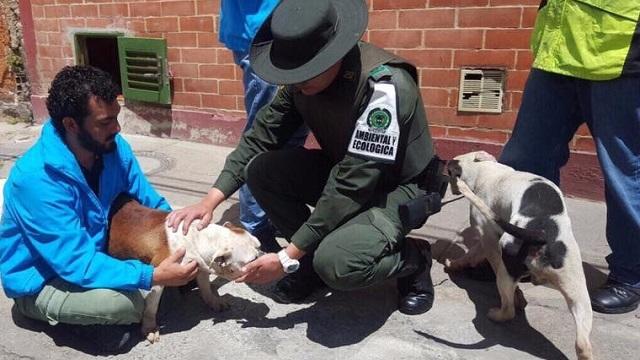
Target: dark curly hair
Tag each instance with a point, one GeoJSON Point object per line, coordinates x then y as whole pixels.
{"type": "Point", "coordinates": [71, 90]}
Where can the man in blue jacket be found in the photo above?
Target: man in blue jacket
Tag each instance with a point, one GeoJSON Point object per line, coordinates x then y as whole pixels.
{"type": "Point", "coordinates": [54, 223]}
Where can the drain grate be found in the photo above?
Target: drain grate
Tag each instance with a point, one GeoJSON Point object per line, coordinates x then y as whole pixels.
{"type": "Point", "coordinates": [481, 90]}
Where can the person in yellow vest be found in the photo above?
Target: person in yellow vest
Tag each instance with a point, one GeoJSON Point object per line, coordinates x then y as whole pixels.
{"type": "Point", "coordinates": [586, 69]}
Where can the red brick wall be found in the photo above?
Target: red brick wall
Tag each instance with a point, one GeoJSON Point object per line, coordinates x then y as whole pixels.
{"type": "Point", "coordinates": [439, 36]}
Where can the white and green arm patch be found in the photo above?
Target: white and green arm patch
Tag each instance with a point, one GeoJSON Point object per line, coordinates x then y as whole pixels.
{"type": "Point", "coordinates": [377, 133]}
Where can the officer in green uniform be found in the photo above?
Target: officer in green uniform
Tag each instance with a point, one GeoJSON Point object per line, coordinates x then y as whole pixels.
{"type": "Point", "coordinates": [364, 108]}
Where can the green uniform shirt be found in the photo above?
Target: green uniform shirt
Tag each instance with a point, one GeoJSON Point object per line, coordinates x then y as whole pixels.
{"type": "Point", "coordinates": [332, 116]}
{"type": "Point", "coordinates": [588, 39]}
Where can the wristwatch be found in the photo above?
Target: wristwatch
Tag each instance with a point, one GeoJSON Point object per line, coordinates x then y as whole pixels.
{"type": "Point", "coordinates": [289, 265]}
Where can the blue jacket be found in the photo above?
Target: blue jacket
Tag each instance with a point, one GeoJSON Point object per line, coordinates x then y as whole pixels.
{"type": "Point", "coordinates": [240, 21]}
{"type": "Point", "coordinates": [53, 224]}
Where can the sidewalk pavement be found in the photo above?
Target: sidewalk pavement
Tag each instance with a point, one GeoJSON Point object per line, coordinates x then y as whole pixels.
{"type": "Point", "coordinates": [361, 324]}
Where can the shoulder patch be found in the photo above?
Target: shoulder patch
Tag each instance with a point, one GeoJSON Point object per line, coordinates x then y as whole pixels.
{"type": "Point", "coordinates": [380, 72]}
{"type": "Point", "coordinates": [377, 133]}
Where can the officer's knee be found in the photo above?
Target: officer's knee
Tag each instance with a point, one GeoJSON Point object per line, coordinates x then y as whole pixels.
{"type": "Point", "coordinates": [339, 269]}
{"type": "Point", "coordinates": [255, 170]}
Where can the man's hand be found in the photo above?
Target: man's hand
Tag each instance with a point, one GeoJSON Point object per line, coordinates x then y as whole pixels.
{"type": "Point", "coordinates": [202, 210]}
{"type": "Point", "coordinates": [171, 273]}
{"type": "Point", "coordinates": [265, 269]}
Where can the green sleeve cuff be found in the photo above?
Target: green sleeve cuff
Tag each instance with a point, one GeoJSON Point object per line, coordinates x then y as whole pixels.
{"type": "Point", "coordinates": [305, 238]}
{"type": "Point", "coordinates": [227, 183]}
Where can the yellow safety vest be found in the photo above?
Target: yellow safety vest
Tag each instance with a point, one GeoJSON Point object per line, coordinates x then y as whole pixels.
{"type": "Point", "coordinates": [588, 39]}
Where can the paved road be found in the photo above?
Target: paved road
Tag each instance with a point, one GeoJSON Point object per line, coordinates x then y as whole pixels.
{"type": "Point", "coordinates": [335, 325]}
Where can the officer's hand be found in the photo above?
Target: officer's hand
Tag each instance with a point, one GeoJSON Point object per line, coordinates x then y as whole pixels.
{"type": "Point", "coordinates": [265, 269]}
{"type": "Point", "coordinates": [202, 210]}
{"type": "Point", "coordinates": [171, 273]}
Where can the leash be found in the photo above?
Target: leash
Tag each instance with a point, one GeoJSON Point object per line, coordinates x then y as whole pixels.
{"type": "Point", "coordinates": [452, 200]}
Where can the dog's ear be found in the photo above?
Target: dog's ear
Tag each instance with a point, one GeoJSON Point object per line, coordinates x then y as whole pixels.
{"type": "Point", "coordinates": [235, 228]}
{"type": "Point", "coordinates": [453, 169]}
{"type": "Point", "coordinates": [484, 156]}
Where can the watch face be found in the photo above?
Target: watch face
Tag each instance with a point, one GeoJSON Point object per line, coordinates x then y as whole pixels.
{"type": "Point", "coordinates": [292, 267]}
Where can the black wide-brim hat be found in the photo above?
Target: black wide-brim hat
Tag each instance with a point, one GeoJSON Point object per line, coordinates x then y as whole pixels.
{"type": "Point", "coordinates": [303, 38]}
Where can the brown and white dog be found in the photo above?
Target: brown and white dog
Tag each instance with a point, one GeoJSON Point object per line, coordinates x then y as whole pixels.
{"type": "Point", "coordinates": [523, 228]}
{"type": "Point", "coordinates": [138, 232]}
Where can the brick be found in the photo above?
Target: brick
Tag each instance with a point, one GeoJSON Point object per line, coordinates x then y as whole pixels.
{"type": "Point", "coordinates": [200, 85]}
{"type": "Point", "coordinates": [383, 20]}
{"type": "Point", "coordinates": [84, 10]}
{"type": "Point", "coordinates": [427, 58]}
{"type": "Point", "coordinates": [439, 78]}
{"type": "Point", "coordinates": [217, 71]}
{"type": "Point", "coordinates": [177, 85]}
{"type": "Point", "coordinates": [181, 39]}
{"type": "Point", "coordinates": [137, 26]}
{"type": "Point", "coordinates": [99, 23]}
{"type": "Point", "coordinates": [114, 10]}
{"type": "Point", "coordinates": [435, 96]}
{"type": "Point", "coordinates": [524, 60]}
{"type": "Point", "coordinates": [495, 137]}
{"type": "Point", "coordinates": [533, 3]}
{"type": "Point", "coordinates": [490, 18]}
{"type": "Point", "coordinates": [396, 38]}
{"type": "Point", "coordinates": [42, 38]}
{"type": "Point", "coordinates": [437, 131]}
{"type": "Point", "coordinates": [458, 3]}
{"type": "Point", "coordinates": [398, 4]}
{"type": "Point", "coordinates": [204, 56]}
{"type": "Point", "coordinates": [585, 144]}
{"type": "Point", "coordinates": [507, 39]}
{"type": "Point", "coordinates": [503, 58]}
{"type": "Point", "coordinates": [583, 130]}
{"type": "Point", "coordinates": [47, 25]}
{"type": "Point", "coordinates": [186, 99]}
{"type": "Point", "coordinates": [173, 8]}
{"type": "Point", "coordinates": [57, 39]}
{"type": "Point", "coordinates": [444, 116]}
{"type": "Point", "coordinates": [224, 56]}
{"type": "Point", "coordinates": [227, 102]}
{"type": "Point", "coordinates": [208, 39]}
{"type": "Point", "coordinates": [516, 100]}
{"type": "Point", "coordinates": [516, 79]}
{"type": "Point", "coordinates": [67, 52]}
{"type": "Point", "coordinates": [230, 87]}
{"type": "Point", "coordinates": [207, 7]}
{"type": "Point", "coordinates": [453, 39]}
{"type": "Point", "coordinates": [75, 1]}
{"type": "Point", "coordinates": [50, 51]}
{"type": "Point", "coordinates": [174, 55]}
{"type": "Point", "coordinates": [423, 19]}
{"type": "Point", "coordinates": [37, 11]}
{"type": "Point", "coordinates": [196, 23]}
{"type": "Point", "coordinates": [161, 24]}
{"type": "Point", "coordinates": [504, 121]}
{"type": "Point", "coordinates": [529, 15]}
{"type": "Point", "coordinates": [184, 70]}
{"type": "Point", "coordinates": [57, 11]}
{"type": "Point", "coordinates": [72, 23]}
{"type": "Point", "coordinates": [145, 9]}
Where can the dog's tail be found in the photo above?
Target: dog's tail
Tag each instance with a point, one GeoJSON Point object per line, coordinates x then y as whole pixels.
{"type": "Point", "coordinates": [534, 237]}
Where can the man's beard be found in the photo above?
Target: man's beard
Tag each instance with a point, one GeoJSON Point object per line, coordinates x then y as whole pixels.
{"type": "Point", "coordinates": [90, 144]}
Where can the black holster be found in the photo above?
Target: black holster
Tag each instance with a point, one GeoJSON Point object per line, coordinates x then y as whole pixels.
{"type": "Point", "coordinates": [433, 181]}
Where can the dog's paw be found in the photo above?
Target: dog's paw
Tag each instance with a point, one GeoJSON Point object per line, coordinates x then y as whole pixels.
{"type": "Point", "coordinates": [151, 333]}
{"type": "Point", "coordinates": [500, 315]}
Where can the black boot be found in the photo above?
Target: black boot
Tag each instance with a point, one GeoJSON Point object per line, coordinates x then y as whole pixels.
{"type": "Point", "coordinates": [296, 287]}
{"type": "Point", "coordinates": [414, 280]}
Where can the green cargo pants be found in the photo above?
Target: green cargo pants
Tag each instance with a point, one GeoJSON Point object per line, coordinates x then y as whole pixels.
{"type": "Point", "coordinates": [62, 302]}
{"type": "Point", "coordinates": [366, 249]}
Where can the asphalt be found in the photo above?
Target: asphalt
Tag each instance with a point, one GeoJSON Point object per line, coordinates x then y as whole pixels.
{"type": "Point", "coordinates": [354, 325]}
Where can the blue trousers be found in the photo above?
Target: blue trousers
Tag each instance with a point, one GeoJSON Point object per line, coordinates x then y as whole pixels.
{"type": "Point", "coordinates": [553, 106]}
{"type": "Point", "coordinates": [257, 94]}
